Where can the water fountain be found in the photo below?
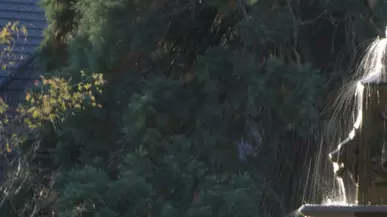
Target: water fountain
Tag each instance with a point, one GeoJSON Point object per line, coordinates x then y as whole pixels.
{"type": "Point", "coordinates": [363, 155]}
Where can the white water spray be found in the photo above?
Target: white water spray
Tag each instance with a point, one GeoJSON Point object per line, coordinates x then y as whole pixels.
{"type": "Point", "coordinates": [372, 66]}
{"type": "Point", "coordinates": [371, 69]}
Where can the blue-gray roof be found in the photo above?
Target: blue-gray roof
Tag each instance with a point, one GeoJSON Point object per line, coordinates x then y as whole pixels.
{"type": "Point", "coordinates": [30, 15]}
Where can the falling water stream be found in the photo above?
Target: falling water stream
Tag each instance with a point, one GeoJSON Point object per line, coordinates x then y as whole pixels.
{"type": "Point", "coordinates": [371, 68]}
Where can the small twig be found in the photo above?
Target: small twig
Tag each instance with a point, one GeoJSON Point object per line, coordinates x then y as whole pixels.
{"type": "Point", "coordinates": [243, 8]}
{"type": "Point", "coordinates": [384, 115]}
{"type": "Point", "coordinates": [313, 20]}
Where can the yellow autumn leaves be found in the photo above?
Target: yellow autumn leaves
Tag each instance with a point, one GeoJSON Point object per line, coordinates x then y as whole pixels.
{"type": "Point", "coordinates": [7, 42]}
{"type": "Point", "coordinates": [57, 95]}
{"type": "Point", "coordinates": [10, 29]}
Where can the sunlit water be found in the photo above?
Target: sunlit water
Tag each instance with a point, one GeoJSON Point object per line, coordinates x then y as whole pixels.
{"type": "Point", "coordinates": [370, 69]}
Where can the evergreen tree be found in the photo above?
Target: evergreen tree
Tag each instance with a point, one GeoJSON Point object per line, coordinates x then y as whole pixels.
{"type": "Point", "coordinates": [174, 108]}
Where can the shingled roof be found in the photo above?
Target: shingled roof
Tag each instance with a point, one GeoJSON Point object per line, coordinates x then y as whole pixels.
{"type": "Point", "coordinates": [30, 15]}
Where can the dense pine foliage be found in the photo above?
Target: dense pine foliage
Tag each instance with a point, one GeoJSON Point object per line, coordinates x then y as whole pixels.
{"type": "Point", "coordinates": [179, 108]}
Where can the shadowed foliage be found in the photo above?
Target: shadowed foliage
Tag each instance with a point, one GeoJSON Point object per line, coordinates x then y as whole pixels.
{"type": "Point", "coordinates": [181, 108]}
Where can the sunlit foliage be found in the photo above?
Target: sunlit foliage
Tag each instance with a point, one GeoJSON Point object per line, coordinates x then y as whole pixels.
{"type": "Point", "coordinates": [8, 34]}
